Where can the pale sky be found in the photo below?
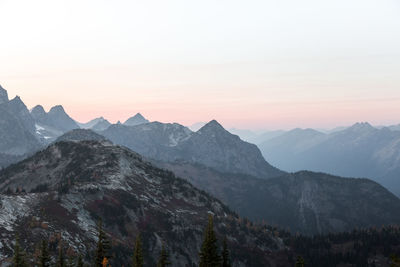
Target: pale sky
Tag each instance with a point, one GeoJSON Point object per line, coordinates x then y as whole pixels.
{"type": "Point", "coordinates": [248, 64]}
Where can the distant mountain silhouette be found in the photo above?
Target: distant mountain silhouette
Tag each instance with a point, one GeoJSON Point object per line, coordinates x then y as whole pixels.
{"type": "Point", "coordinates": [358, 151]}
{"type": "Point", "coordinates": [136, 120]}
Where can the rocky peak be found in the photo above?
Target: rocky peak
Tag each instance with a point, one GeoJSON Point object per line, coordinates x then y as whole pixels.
{"type": "Point", "coordinates": [19, 109]}
{"type": "Point", "coordinates": [18, 103]}
{"type": "Point", "coordinates": [213, 127]}
{"type": "Point", "coordinates": [57, 110]}
{"type": "Point", "coordinates": [361, 127]}
{"type": "Point", "coordinates": [59, 119]}
{"type": "Point", "coordinates": [38, 112]}
{"type": "Point", "coordinates": [136, 120]}
{"type": "Point", "coordinates": [97, 124]}
{"type": "Point", "coordinates": [3, 95]}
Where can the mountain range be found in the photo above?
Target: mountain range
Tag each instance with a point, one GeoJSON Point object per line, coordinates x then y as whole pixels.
{"type": "Point", "coordinates": [211, 146]}
{"type": "Point", "coordinates": [357, 151]}
{"type": "Point", "coordinates": [229, 168]}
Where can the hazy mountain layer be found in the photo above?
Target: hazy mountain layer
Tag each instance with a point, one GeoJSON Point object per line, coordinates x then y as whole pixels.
{"type": "Point", "coordinates": [304, 202]}
{"type": "Point", "coordinates": [358, 151]}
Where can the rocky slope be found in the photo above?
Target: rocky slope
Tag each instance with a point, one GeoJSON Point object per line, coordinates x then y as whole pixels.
{"type": "Point", "coordinates": [62, 191]}
{"type": "Point", "coordinates": [212, 146]}
{"type": "Point", "coordinates": [152, 140]}
{"type": "Point", "coordinates": [305, 202]}
{"type": "Point", "coordinates": [81, 135]}
{"type": "Point", "coordinates": [215, 147]}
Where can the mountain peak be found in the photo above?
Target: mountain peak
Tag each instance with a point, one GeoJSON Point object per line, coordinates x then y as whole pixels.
{"type": "Point", "coordinates": [18, 103]}
{"type": "Point", "coordinates": [213, 126]}
{"type": "Point", "coordinates": [3, 95]}
{"type": "Point", "coordinates": [57, 109]}
{"type": "Point", "coordinates": [38, 111]}
{"type": "Point", "coordinates": [136, 120]}
{"type": "Point", "coordinates": [361, 126]}
{"type": "Point", "coordinates": [58, 118]}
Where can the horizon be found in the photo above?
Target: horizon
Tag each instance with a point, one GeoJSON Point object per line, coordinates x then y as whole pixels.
{"type": "Point", "coordinates": [265, 65]}
{"type": "Point", "coordinates": [199, 124]}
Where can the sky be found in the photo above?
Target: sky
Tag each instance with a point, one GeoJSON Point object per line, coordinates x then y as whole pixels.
{"type": "Point", "coordinates": [270, 64]}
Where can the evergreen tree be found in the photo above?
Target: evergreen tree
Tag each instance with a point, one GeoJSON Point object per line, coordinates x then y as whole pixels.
{"type": "Point", "coordinates": [395, 261]}
{"type": "Point", "coordinates": [299, 262]}
{"type": "Point", "coordinates": [61, 258]}
{"type": "Point", "coordinates": [70, 262]}
{"type": "Point", "coordinates": [79, 262]}
{"type": "Point", "coordinates": [138, 253]}
{"type": "Point", "coordinates": [19, 257]}
{"type": "Point", "coordinates": [209, 256]}
{"type": "Point", "coordinates": [226, 262]}
{"type": "Point", "coordinates": [44, 258]}
{"type": "Point", "coordinates": [103, 245]}
{"type": "Point", "coordinates": [163, 260]}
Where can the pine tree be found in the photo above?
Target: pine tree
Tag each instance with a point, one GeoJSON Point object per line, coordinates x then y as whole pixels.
{"type": "Point", "coordinates": [79, 262]}
{"type": "Point", "coordinates": [163, 260]}
{"type": "Point", "coordinates": [226, 262]}
{"type": "Point", "coordinates": [209, 256]}
{"type": "Point", "coordinates": [299, 262]}
{"type": "Point", "coordinates": [44, 258]}
{"type": "Point", "coordinates": [138, 253]}
{"type": "Point", "coordinates": [103, 245]}
{"type": "Point", "coordinates": [61, 258]}
{"type": "Point", "coordinates": [395, 261]}
{"type": "Point", "coordinates": [19, 257]}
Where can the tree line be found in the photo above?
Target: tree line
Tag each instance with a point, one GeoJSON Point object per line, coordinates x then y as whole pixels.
{"type": "Point", "coordinates": [209, 254]}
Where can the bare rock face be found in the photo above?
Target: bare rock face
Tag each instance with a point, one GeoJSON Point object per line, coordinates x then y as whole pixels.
{"type": "Point", "coordinates": [62, 192]}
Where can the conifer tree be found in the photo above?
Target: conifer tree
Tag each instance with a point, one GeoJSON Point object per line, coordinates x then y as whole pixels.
{"type": "Point", "coordinates": [138, 253]}
{"type": "Point", "coordinates": [103, 245]}
{"type": "Point", "coordinates": [79, 262]}
{"type": "Point", "coordinates": [44, 258]}
{"type": "Point", "coordinates": [70, 262]}
{"type": "Point", "coordinates": [226, 262]}
{"type": "Point", "coordinates": [163, 259]}
{"type": "Point", "coordinates": [19, 257]}
{"type": "Point", "coordinates": [209, 256]}
{"type": "Point", "coordinates": [61, 258]}
{"type": "Point", "coordinates": [299, 262]}
{"type": "Point", "coordinates": [395, 261]}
